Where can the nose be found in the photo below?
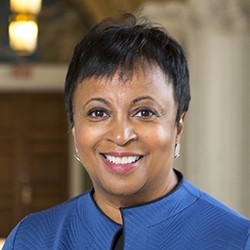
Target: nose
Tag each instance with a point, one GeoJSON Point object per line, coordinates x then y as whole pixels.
{"type": "Point", "coordinates": [121, 133]}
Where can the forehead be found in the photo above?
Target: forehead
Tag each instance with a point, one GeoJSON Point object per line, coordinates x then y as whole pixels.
{"type": "Point", "coordinates": [141, 81]}
{"type": "Point", "coordinates": [144, 75]}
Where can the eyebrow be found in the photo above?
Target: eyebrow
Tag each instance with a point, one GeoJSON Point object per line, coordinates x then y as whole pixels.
{"type": "Point", "coordinates": [97, 99]}
{"type": "Point", "coordinates": [136, 100]}
{"type": "Point", "coordinates": [142, 98]}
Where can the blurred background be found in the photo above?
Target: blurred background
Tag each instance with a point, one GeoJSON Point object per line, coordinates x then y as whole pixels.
{"type": "Point", "coordinates": [37, 165]}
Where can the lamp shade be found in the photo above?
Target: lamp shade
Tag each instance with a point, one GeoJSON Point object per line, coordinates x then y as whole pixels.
{"type": "Point", "coordinates": [23, 32]}
{"type": "Point", "coordinates": [26, 6]}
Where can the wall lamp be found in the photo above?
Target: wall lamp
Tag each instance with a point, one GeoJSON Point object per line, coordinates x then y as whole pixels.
{"type": "Point", "coordinates": [23, 28]}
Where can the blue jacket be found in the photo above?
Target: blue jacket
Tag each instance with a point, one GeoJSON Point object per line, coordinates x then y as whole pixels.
{"type": "Point", "coordinates": [187, 218]}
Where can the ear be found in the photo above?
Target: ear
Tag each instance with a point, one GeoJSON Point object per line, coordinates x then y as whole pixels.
{"type": "Point", "coordinates": [180, 128]}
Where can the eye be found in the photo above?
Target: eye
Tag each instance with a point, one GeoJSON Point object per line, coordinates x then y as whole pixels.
{"type": "Point", "coordinates": [145, 113]}
{"type": "Point", "coordinates": [98, 113]}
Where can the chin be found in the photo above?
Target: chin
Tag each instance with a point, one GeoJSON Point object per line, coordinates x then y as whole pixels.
{"type": "Point", "coordinates": [124, 189]}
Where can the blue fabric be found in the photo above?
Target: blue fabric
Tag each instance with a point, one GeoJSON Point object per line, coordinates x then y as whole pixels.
{"type": "Point", "coordinates": [185, 219]}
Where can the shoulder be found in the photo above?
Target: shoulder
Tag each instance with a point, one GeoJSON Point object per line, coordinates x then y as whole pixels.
{"type": "Point", "coordinates": [213, 205]}
{"type": "Point", "coordinates": [216, 218]}
{"type": "Point", "coordinates": [34, 228]}
{"type": "Point", "coordinates": [57, 214]}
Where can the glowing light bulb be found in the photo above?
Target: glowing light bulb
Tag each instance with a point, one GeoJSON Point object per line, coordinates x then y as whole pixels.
{"type": "Point", "coordinates": [26, 6]}
{"type": "Point", "coordinates": [23, 32]}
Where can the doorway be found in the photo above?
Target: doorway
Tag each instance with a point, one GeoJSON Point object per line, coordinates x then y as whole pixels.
{"type": "Point", "coordinates": [33, 155]}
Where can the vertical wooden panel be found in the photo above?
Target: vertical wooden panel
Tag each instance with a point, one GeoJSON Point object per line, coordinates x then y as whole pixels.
{"type": "Point", "coordinates": [33, 155]}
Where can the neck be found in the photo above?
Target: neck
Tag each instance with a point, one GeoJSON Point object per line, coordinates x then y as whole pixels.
{"type": "Point", "coordinates": [109, 208]}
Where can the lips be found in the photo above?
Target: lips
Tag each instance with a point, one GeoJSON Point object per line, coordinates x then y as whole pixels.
{"type": "Point", "coordinates": [121, 163]}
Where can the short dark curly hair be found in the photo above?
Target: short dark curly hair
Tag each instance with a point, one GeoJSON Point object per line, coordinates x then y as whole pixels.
{"type": "Point", "coordinates": [113, 45]}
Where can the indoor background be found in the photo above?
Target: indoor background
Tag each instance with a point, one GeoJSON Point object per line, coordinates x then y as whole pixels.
{"type": "Point", "coordinates": [37, 165]}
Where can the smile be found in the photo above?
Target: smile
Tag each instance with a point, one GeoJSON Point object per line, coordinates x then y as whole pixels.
{"type": "Point", "coordinates": [122, 163]}
{"type": "Point", "coordinates": [122, 160]}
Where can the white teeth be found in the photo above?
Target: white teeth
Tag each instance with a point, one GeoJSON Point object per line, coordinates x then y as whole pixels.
{"type": "Point", "coordinates": [122, 160]}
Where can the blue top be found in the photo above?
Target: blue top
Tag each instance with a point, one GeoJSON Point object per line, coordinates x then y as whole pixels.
{"type": "Point", "coordinates": [187, 218]}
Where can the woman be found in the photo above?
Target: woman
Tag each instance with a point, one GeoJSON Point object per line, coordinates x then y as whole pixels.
{"type": "Point", "coordinates": [126, 95]}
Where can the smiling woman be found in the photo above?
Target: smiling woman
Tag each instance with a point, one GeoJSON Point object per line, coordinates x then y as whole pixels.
{"type": "Point", "coordinates": [126, 95]}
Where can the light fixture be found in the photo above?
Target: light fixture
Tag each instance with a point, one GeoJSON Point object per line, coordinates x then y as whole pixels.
{"type": "Point", "coordinates": [23, 29]}
{"type": "Point", "coordinates": [26, 6]}
{"type": "Point", "coordinates": [23, 33]}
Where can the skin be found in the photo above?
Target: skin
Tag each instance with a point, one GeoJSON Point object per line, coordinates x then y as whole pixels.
{"type": "Point", "coordinates": [136, 116]}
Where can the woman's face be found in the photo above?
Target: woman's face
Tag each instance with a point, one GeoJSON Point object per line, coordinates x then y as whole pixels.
{"type": "Point", "coordinates": [125, 133]}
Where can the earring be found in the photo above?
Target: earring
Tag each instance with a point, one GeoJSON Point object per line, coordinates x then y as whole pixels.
{"type": "Point", "coordinates": [76, 156]}
{"type": "Point", "coordinates": [177, 150]}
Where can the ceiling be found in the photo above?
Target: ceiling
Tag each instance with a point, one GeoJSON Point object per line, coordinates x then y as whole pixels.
{"type": "Point", "coordinates": [98, 9]}
{"type": "Point", "coordinates": [61, 24]}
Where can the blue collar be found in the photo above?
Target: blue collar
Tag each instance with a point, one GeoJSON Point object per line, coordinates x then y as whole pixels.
{"type": "Point", "coordinates": [145, 215]}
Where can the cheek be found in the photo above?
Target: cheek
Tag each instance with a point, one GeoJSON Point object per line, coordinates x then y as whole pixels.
{"type": "Point", "coordinates": [87, 137]}
{"type": "Point", "coordinates": [159, 137]}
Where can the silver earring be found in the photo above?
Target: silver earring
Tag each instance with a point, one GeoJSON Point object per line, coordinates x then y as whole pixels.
{"type": "Point", "coordinates": [76, 156]}
{"type": "Point", "coordinates": [177, 150]}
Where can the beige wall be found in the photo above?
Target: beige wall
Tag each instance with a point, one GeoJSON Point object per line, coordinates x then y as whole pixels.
{"type": "Point", "coordinates": [35, 77]}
